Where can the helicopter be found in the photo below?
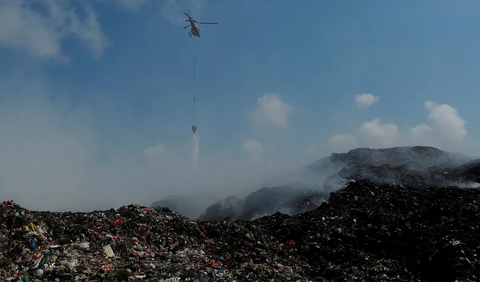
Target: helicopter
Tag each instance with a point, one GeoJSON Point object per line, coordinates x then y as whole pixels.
{"type": "Point", "coordinates": [195, 31]}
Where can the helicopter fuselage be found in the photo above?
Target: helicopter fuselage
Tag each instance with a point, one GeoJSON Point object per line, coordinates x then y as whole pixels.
{"type": "Point", "coordinates": [195, 30]}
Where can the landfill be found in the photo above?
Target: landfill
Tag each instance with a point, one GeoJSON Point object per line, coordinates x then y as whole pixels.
{"type": "Point", "coordinates": [364, 232]}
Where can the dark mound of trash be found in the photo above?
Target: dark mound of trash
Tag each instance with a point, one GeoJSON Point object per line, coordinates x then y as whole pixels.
{"type": "Point", "coordinates": [266, 201]}
{"type": "Point", "coordinates": [191, 205]}
{"type": "Point", "coordinates": [365, 232]}
{"type": "Point", "coordinates": [418, 165]}
{"type": "Point", "coordinates": [415, 158]}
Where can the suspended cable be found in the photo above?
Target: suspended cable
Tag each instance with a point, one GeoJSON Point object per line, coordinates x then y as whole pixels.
{"type": "Point", "coordinates": [194, 63]}
{"type": "Point", "coordinates": [194, 125]}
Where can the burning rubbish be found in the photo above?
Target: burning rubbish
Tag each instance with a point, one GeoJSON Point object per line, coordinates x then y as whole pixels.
{"type": "Point", "coordinates": [365, 232]}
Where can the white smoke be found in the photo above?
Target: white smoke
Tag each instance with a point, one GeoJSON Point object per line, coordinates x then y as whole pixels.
{"type": "Point", "coordinates": [467, 185]}
{"type": "Point", "coordinates": [196, 153]}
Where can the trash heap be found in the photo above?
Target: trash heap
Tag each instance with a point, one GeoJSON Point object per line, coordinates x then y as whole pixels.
{"type": "Point", "coordinates": [365, 232]}
{"type": "Point", "coordinates": [307, 188]}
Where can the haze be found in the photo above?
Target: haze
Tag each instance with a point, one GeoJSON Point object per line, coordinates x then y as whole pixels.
{"type": "Point", "coordinates": [96, 96]}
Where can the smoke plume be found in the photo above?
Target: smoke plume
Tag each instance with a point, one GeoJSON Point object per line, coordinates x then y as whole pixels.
{"type": "Point", "coordinates": [196, 153]}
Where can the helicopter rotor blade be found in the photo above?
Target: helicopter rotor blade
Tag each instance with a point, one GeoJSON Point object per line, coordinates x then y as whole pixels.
{"type": "Point", "coordinates": [205, 23]}
{"type": "Point", "coordinates": [186, 14]}
{"type": "Point", "coordinates": [187, 26]}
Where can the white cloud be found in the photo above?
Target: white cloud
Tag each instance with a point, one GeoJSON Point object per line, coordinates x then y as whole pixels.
{"type": "Point", "coordinates": [154, 151]}
{"type": "Point", "coordinates": [446, 128]}
{"type": "Point", "coordinates": [271, 111]}
{"type": "Point", "coordinates": [380, 134]}
{"type": "Point", "coordinates": [41, 34]}
{"type": "Point", "coordinates": [365, 100]}
{"type": "Point", "coordinates": [89, 32]}
{"type": "Point", "coordinates": [446, 121]}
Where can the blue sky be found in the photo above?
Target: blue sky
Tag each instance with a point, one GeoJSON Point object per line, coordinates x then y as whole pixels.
{"type": "Point", "coordinates": [96, 96]}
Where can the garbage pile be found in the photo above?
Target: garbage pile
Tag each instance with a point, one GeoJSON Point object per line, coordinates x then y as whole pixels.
{"type": "Point", "coordinates": [266, 201]}
{"type": "Point", "coordinates": [130, 243]}
{"type": "Point", "coordinates": [411, 166]}
{"type": "Point", "coordinates": [365, 232]}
